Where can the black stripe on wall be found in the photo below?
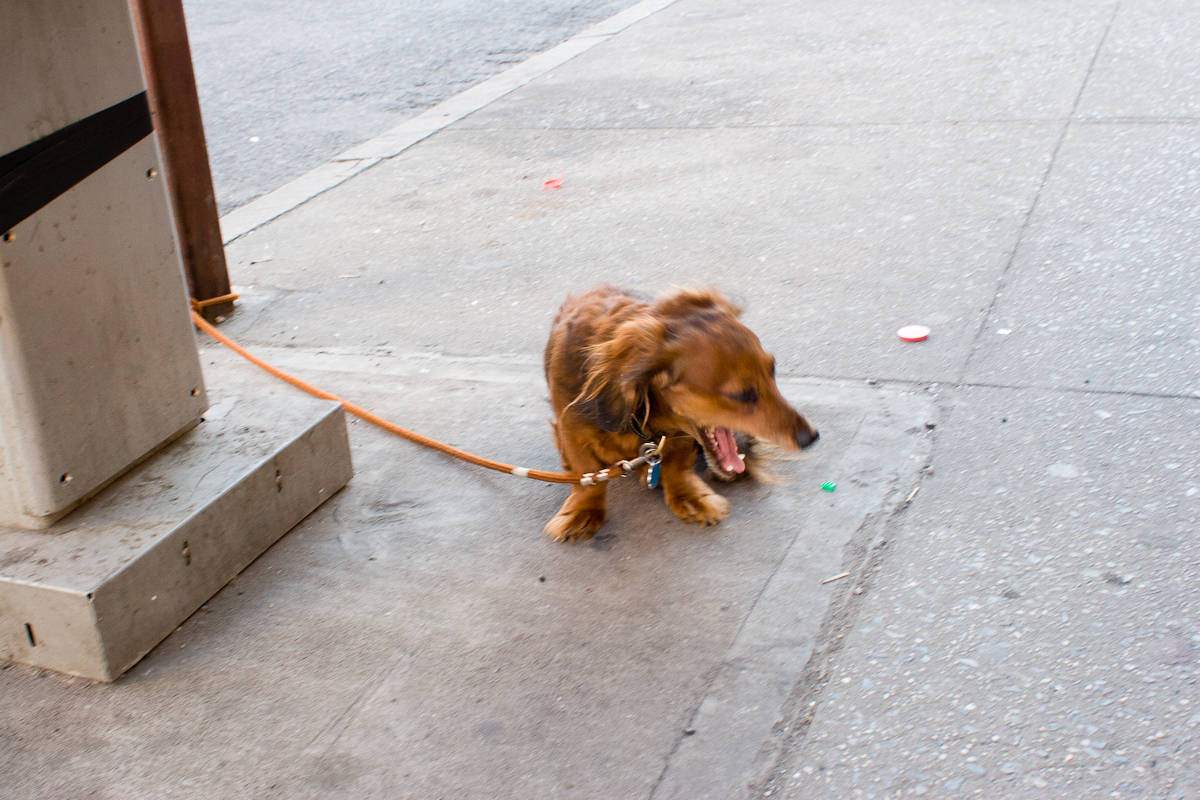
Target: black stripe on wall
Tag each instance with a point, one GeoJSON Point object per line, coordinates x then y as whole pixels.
{"type": "Point", "coordinates": [39, 172]}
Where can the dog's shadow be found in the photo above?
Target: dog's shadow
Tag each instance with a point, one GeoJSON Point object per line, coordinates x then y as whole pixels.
{"type": "Point", "coordinates": [603, 541]}
{"type": "Point", "coordinates": [641, 511]}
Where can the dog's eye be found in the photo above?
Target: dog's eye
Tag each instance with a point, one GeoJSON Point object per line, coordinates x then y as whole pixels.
{"type": "Point", "coordinates": [748, 396]}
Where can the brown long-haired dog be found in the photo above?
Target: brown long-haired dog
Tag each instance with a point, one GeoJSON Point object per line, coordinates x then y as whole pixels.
{"type": "Point", "coordinates": [623, 371]}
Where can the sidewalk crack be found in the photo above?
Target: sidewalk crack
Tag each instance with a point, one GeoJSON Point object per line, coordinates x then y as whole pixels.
{"type": "Point", "coordinates": [1037, 196]}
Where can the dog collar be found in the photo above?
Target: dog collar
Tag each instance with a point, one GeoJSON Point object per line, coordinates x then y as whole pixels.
{"type": "Point", "coordinates": [640, 420]}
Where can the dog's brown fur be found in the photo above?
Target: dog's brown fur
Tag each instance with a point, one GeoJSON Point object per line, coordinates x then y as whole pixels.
{"type": "Point", "coordinates": [622, 370]}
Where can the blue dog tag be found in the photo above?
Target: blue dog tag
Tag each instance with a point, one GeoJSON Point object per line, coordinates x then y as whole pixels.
{"type": "Point", "coordinates": [652, 480]}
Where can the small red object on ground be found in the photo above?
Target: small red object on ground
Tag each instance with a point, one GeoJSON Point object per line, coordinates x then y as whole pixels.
{"type": "Point", "coordinates": [554, 183]}
{"type": "Point", "coordinates": [913, 333]}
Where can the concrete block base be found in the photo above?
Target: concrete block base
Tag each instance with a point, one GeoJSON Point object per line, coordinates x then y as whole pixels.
{"type": "Point", "coordinates": [93, 593]}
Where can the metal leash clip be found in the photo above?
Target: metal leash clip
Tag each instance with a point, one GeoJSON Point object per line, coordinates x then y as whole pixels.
{"type": "Point", "coordinates": [649, 453]}
{"type": "Point", "coordinates": [652, 453]}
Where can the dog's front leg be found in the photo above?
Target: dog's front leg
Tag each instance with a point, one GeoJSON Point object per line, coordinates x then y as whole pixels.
{"type": "Point", "coordinates": [686, 493]}
{"type": "Point", "coordinates": [581, 516]}
{"type": "Point", "coordinates": [583, 513]}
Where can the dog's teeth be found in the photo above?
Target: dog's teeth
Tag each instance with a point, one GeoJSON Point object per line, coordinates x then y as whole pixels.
{"type": "Point", "coordinates": [742, 456]}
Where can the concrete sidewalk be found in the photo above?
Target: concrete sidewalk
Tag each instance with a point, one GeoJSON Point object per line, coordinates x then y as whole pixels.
{"type": "Point", "coordinates": [1024, 178]}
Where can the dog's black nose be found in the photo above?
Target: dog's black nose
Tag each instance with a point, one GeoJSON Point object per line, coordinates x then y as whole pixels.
{"type": "Point", "coordinates": [806, 438]}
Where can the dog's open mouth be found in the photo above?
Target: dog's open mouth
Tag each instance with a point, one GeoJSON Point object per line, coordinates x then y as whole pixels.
{"type": "Point", "coordinates": [721, 452]}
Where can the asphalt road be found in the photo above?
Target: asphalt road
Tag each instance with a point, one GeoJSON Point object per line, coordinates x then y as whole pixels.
{"type": "Point", "coordinates": [286, 86]}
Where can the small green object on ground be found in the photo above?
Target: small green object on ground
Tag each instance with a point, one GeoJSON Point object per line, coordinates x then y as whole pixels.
{"type": "Point", "coordinates": [829, 487]}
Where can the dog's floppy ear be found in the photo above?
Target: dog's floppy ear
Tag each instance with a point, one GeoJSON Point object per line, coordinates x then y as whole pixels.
{"type": "Point", "coordinates": [619, 372]}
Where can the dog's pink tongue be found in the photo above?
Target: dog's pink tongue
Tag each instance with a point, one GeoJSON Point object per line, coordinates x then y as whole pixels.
{"type": "Point", "coordinates": [727, 452]}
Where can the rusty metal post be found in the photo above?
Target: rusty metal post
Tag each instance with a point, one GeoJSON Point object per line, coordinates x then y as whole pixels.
{"type": "Point", "coordinates": [175, 106]}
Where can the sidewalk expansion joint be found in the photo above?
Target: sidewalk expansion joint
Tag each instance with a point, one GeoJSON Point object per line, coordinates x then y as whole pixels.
{"type": "Point", "coordinates": [1037, 196]}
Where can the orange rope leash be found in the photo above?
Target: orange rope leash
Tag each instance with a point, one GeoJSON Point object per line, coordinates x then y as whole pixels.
{"type": "Point", "coordinates": [539, 475]}
{"type": "Point", "coordinates": [213, 301]}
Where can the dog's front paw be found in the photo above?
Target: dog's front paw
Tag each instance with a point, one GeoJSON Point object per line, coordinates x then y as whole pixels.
{"type": "Point", "coordinates": [573, 526]}
{"type": "Point", "coordinates": [703, 509]}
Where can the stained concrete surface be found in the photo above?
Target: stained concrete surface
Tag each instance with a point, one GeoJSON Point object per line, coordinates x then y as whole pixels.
{"type": "Point", "coordinates": [971, 166]}
{"type": "Point", "coordinates": [833, 239]}
{"type": "Point", "coordinates": [419, 637]}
